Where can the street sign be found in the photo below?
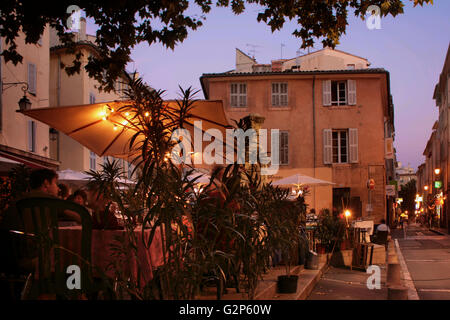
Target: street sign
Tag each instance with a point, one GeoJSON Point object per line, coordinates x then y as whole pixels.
{"type": "Point", "coordinates": [390, 190]}
{"type": "Point", "coordinates": [438, 184]}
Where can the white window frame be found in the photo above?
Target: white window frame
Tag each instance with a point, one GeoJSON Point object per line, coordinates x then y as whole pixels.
{"type": "Point", "coordinates": [280, 94]}
{"type": "Point", "coordinates": [284, 148]}
{"type": "Point", "coordinates": [238, 95]}
{"type": "Point", "coordinates": [339, 93]}
{"type": "Point", "coordinates": [339, 146]}
{"type": "Point", "coordinates": [92, 161]}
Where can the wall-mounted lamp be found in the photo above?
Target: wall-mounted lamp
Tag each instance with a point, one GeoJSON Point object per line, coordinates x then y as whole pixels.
{"type": "Point", "coordinates": [24, 103]}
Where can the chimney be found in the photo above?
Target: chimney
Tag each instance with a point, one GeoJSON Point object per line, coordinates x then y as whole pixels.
{"type": "Point", "coordinates": [82, 32]}
{"type": "Point", "coordinates": [277, 65]}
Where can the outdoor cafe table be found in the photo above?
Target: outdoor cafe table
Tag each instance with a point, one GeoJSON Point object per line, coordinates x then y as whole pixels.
{"type": "Point", "coordinates": [102, 254]}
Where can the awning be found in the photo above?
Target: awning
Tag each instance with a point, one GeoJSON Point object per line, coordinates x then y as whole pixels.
{"type": "Point", "coordinates": [15, 156]}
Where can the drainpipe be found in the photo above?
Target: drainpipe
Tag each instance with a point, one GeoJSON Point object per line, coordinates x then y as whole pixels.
{"type": "Point", "coordinates": [314, 131]}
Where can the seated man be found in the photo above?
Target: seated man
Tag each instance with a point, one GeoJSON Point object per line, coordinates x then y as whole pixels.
{"type": "Point", "coordinates": [382, 233]}
{"type": "Point", "coordinates": [383, 226]}
{"type": "Point", "coordinates": [43, 184]}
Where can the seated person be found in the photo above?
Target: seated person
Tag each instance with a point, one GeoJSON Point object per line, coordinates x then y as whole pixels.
{"type": "Point", "coordinates": [383, 226]}
{"type": "Point", "coordinates": [79, 196]}
{"type": "Point", "coordinates": [102, 211]}
{"type": "Point", "coordinates": [43, 184]}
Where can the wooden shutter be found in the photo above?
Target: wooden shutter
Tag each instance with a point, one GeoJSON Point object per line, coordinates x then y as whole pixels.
{"type": "Point", "coordinates": [283, 94]}
{"type": "Point", "coordinates": [284, 147]}
{"type": "Point", "coordinates": [353, 144]}
{"type": "Point", "coordinates": [327, 146]}
{"type": "Point", "coordinates": [326, 92]}
{"type": "Point", "coordinates": [31, 136]}
{"type": "Point", "coordinates": [32, 78]}
{"type": "Point", "coordinates": [351, 85]}
{"type": "Point", "coordinates": [242, 95]}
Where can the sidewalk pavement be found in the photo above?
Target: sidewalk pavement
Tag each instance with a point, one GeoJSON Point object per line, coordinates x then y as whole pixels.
{"type": "Point", "coordinates": [346, 284]}
{"type": "Point", "coordinates": [441, 231]}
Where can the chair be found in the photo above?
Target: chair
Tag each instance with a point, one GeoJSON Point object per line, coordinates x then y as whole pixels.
{"type": "Point", "coordinates": [38, 219]}
{"type": "Point", "coordinates": [381, 238]}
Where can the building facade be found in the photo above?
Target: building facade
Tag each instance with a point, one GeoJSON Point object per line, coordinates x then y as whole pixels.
{"type": "Point", "coordinates": [23, 140]}
{"type": "Point", "coordinates": [335, 116]}
{"type": "Point", "coordinates": [77, 89]}
{"type": "Point", "coordinates": [437, 149]}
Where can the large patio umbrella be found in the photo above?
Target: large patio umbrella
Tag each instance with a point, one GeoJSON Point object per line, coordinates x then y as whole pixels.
{"type": "Point", "coordinates": [301, 179]}
{"type": "Point", "coordinates": [103, 130]}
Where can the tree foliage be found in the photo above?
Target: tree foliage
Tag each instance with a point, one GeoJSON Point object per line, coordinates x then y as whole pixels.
{"type": "Point", "coordinates": [408, 193]}
{"type": "Point", "coordinates": [124, 24]}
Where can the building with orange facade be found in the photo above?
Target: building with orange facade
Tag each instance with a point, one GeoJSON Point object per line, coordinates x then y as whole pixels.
{"type": "Point", "coordinates": [336, 122]}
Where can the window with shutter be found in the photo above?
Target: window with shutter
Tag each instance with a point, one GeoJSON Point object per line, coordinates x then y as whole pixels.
{"type": "Point", "coordinates": [326, 92]}
{"type": "Point", "coordinates": [284, 147]}
{"type": "Point", "coordinates": [279, 94]}
{"type": "Point", "coordinates": [351, 92]}
{"type": "Point", "coordinates": [92, 161]}
{"type": "Point", "coordinates": [327, 146]}
{"type": "Point", "coordinates": [91, 98]}
{"type": "Point", "coordinates": [31, 136]}
{"type": "Point", "coordinates": [32, 78]}
{"type": "Point", "coordinates": [338, 93]}
{"type": "Point", "coordinates": [238, 95]}
{"type": "Point", "coordinates": [353, 133]}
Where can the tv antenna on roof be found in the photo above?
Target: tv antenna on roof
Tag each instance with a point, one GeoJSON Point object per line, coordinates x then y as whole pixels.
{"type": "Point", "coordinates": [253, 50]}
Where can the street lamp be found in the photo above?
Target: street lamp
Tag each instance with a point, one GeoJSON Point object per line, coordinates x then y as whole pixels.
{"type": "Point", "coordinates": [437, 171]}
{"type": "Point", "coordinates": [347, 214]}
{"type": "Point", "coordinates": [425, 188]}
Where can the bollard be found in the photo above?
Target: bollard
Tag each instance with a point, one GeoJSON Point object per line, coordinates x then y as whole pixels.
{"type": "Point", "coordinates": [392, 258]}
{"type": "Point", "coordinates": [393, 274]}
{"type": "Point", "coordinates": [397, 292]}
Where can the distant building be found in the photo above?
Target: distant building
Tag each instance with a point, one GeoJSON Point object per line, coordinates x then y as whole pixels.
{"type": "Point", "coordinates": [22, 139]}
{"type": "Point", "coordinates": [336, 122]}
{"type": "Point", "coordinates": [437, 148]}
{"type": "Point", "coordinates": [77, 89]}
{"type": "Point", "coordinates": [405, 174]}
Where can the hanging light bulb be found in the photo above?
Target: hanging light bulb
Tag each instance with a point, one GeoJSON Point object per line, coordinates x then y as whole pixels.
{"type": "Point", "coordinates": [127, 114]}
{"type": "Point", "coordinates": [115, 128]}
{"type": "Point", "coordinates": [147, 114]}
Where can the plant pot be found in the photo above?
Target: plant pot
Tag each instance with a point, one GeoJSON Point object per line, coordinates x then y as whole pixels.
{"type": "Point", "coordinates": [321, 249]}
{"type": "Point", "coordinates": [287, 284]}
{"type": "Point", "coordinates": [345, 245]}
{"type": "Point", "coordinates": [312, 261]}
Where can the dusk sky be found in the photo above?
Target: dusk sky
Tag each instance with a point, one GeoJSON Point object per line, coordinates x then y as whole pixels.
{"type": "Point", "coordinates": [412, 47]}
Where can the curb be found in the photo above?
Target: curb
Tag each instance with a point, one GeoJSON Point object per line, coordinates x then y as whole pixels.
{"type": "Point", "coordinates": [438, 232]}
{"type": "Point", "coordinates": [406, 277]}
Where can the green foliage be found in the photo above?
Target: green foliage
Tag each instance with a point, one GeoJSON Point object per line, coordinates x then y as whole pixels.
{"type": "Point", "coordinates": [125, 24]}
{"type": "Point", "coordinates": [408, 193]}
{"type": "Point", "coordinates": [13, 187]}
{"type": "Point", "coordinates": [330, 230]}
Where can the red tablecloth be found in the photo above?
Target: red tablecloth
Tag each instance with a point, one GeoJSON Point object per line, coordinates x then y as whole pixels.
{"type": "Point", "coordinates": [147, 260]}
